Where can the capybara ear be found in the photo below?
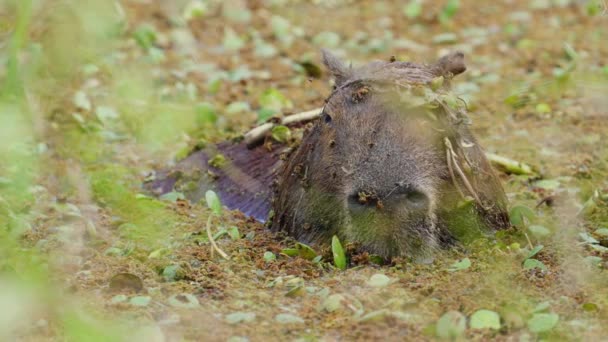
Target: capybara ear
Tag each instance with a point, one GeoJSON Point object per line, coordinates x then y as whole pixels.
{"type": "Point", "coordinates": [340, 71]}
{"type": "Point", "coordinates": [451, 64]}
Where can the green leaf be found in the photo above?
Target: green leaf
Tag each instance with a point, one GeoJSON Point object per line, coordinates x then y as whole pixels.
{"type": "Point", "coordinates": [601, 232]}
{"type": "Point", "coordinates": [519, 214]}
{"type": "Point", "coordinates": [590, 307]}
{"type": "Point", "coordinates": [451, 325]}
{"type": "Point", "coordinates": [232, 41]}
{"type": "Point", "coordinates": [281, 133]}
{"type": "Point", "coordinates": [145, 36]}
{"type": "Point", "coordinates": [269, 256]}
{"type": "Point", "coordinates": [265, 113]}
{"type": "Point", "coordinates": [285, 318]}
{"type": "Point", "coordinates": [213, 202]}
{"type": "Point", "coordinates": [234, 233]}
{"type": "Point", "coordinates": [140, 300]}
{"type": "Point", "coordinates": [217, 161]}
{"type": "Point", "coordinates": [413, 9]}
{"type": "Point", "coordinates": [338, 253]}
{"type": "Point", "coordinates": [379, 280]}
{"type": "Point", "coordinates": [327, 39]}
{"type": "Point", "coordinates": [542, 322]}
{"type": "Point", "coordinates": [534, 251]}
{"type": "Point", "coordinates": [449, 10]}
{"type": "Point", "coordinates": [240, 317]}
{"type": "Point", "coordinates": [586, 238]}
{"type": "Point", "coordinates": [533, 263]}
{"type": "Point", "coordinates": [273, 99]}
{"type": "Point", "coordinates": [292, 252]}
{"type": "Point", "coordinates": [460, 265]}
{"type": "Point", "coordinates": [205, 114]}
{"type": "Point", "coordinates": [543, 108]}
{"type": "Point", "coordinates": [171, 273]}
{"type": "Point", "coordinates": [445, 38]}
{"type": "Point", "coordinates": [539, 231]}
{"type": "Point", "coordinates": [305, 251]}
{"type": "Point", "coordinates": [485, 319]}
{"type": "Point", "coordinates": [571, 54]}
{"type": "Point", "coordinates": [172, 196]}
{"type": "Point", "coordinates": [544, 306]}
{"type": "Point", "coordinates": [547, 184]}
{"type": "Point", "coordinates": [333, 302]}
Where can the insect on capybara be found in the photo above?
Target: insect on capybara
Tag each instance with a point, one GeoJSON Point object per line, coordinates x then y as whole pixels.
{"type": "Point", "coordinates": [390, 165]}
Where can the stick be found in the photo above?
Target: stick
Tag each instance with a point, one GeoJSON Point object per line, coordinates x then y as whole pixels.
{"type": "Point", "coordinates": [213, 244]}
{"type": "Point", "coordinates": [257, 133]}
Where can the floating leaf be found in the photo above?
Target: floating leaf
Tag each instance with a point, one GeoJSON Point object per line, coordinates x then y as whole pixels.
{"type": "Point", "coordinates": [281, 133]}
{"type": "Point", "coordinates": [121, 298]}
{"type": "Point", "coordinates": [327, 39]}
{"type": "Point", "coordinates": [145, 36]}
{"type": "Point", "coordinates": [273, 99]}
{"type": "Point", "coordinates": [213, 202]}
{"type": "Point", "coordinates": [544, 306]}
{"type": "Point", "coordinates": [594, 261]}
{"type": "Point", "coordinates": [237, 107]}
{"type": "Point", "coordinates": [269, 256]}
{"type": "Point", "coordinates": [333, 302]}
{"type": "Point", "coordinates": [539, 231]}
{"type": "Point", "coordinates": [586, 238]}
{"type": "Point", "coordinates": [234, 233]}
{"type": "Point", "coordinates": [599, 248]}
{"type": "Point", "coordinates": [589, 307]}
{"type": "Point", "coordinates": [460, 265]}
{"type": "Point", "coordinates": [570, 53]}
{"type": "Point", "coordinates": [288, 319]}
{"type": "Point", "coordinates": [379, 280]}
{"type": "Point", "coordinates": [240, 317]}
{"type": "Point", "coordinates": [445, 38]}
{"type": "Point", "coordinates": [264, 114]}
{"type": "Point", "coordinates": [449, 10]}
{"type": "Point", "coordinates": [140, 300]}
{"type": "Point", "coordinates": [172, 273]}
{"type": "Point", "coordinates": [292, 252]}
{"type": "Point", "coordinates": [413, 9]}
{"type": "Point", "coordinates": [547, 184]}
{"type": "Point", "coordinates": [451, 325]}
{"type": "Point", "coordinates": [172, 196]}
{"type": "Point", "coordinates": [601, 232]}
{"type": "Point", "coordinates": [533, 263]}
{"type": "Point", "coordinates": [81, 101]}
{"type": "Point", "coordinates": [338, 253]}
{"type": "Point", "coordinates": [519, 214]}
{"type": "Point", "coordinates": [195, 9]}
{"type": "Point", "coordinates": [485, 319]}
{"type": "Point", "coordinates": [305, 251]}
{"type": "Point", "coordinates": [543, 108]}
{"type": "Point", "coordinates": [232, 41]}
{"type": "Point", "coordinates": [542, 322]}
{"type": "Point", "coordinates": [534, 251]}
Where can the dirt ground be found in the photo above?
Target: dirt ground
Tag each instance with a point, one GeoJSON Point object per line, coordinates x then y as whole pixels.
{"type": "Point", "coordinates": [109, 91]}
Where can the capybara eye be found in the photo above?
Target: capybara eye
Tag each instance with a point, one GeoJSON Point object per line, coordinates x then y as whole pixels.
{"type": "Point", "coordinates": [327, 118]}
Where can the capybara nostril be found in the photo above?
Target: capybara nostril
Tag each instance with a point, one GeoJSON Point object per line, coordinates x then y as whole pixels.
{"type": "Point", "coordinates": [413, 199]}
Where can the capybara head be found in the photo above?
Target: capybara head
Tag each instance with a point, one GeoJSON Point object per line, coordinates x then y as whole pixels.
{"type": "Point", "coordinates": [390, 165]}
